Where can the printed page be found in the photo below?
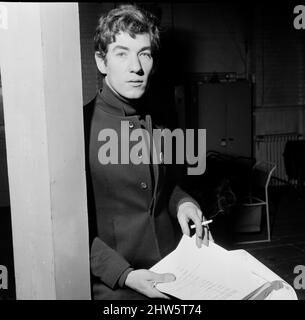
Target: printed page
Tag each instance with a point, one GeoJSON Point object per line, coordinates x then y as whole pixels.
{"type": "Point", "coordinates": [206, 273]}
{"type": "Point", "coordinates": [283, 292]}
{"type": "Point", "coordinates": [255, 265]}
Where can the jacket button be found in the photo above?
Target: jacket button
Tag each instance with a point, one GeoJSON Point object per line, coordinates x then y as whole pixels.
{"type": "Point", "coordinates": [131, 125]}
{"type": "Point", "coordinates": [143, 185]}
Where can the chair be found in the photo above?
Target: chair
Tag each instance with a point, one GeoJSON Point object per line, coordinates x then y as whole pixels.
{"type": "Point", "coordinates": [248, 210]}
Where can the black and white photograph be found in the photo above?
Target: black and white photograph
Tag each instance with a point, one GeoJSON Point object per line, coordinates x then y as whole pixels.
{"type": "Point", "coordinates": [152, 151]}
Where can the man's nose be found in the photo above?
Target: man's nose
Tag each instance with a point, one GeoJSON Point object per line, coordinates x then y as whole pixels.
{"type": "Point", "coordinates": [135, 64]}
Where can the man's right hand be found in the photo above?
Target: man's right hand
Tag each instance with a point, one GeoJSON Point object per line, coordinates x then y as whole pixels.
{"type": "Point", "coordinates": [143, 282]}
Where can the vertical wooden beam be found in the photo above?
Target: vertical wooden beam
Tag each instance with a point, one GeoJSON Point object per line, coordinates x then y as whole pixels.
{"type": "Point", "coordinates": [42, 93]}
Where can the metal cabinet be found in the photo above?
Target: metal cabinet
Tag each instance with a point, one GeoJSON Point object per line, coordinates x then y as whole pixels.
{"type": "Point", "coordinates": [224, 110]}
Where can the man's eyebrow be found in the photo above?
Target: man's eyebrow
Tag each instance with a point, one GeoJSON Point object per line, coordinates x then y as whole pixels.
{"type": "Point", "coordinates": [120, 47]}
{"type": "Point", "coordinates": [126, 48]}
{"type": "Point", "coordinates": [145, 48]}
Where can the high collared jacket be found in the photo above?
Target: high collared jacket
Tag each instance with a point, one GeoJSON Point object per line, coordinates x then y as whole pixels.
{"type": "Point", "coordinates": [132, 208]}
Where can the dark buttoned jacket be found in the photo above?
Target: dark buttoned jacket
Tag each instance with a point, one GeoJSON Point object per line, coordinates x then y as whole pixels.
{"type": "Point", "coordinates": [132, 208]}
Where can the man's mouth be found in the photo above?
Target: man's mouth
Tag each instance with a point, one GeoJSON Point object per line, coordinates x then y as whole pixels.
{"type": "Point", "coordinates": [135, 83]}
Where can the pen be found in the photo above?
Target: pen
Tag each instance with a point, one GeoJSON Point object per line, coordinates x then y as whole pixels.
{"type": "Point", "coordinates": [204, 223]}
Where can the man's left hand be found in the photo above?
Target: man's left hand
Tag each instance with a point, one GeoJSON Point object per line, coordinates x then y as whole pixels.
{"type": "Point", "coordinates": [187, 212]}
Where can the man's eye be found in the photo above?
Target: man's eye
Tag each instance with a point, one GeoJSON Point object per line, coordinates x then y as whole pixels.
{"type": "Point", "coordinates": [146, 54]}
{"type": "Point", "coordinates": [121, 54]}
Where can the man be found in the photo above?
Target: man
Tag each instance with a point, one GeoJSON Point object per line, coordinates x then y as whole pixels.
{"type": "Point", "coordinates": [132, 207]}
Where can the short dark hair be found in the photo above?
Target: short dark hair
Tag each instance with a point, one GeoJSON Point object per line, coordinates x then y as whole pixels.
{"type": "Point", "coordinates": [126, 18]}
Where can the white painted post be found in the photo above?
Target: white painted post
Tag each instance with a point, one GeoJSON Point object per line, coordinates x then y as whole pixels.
{"type": "Point", "coordinates": [42, 93]}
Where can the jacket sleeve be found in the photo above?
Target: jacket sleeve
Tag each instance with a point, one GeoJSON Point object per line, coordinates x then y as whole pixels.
{"type": "Point", "coordinates": [107, 264]}
{"type": "Point", "coordinates": [179, 196]}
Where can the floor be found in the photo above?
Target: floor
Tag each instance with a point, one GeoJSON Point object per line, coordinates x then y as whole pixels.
{"type": "Point", "coordinates": [282, 254]}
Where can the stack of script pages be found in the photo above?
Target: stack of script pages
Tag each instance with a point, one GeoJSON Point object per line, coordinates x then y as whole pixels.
{"type": "Point", "coordinates": [214, 273]}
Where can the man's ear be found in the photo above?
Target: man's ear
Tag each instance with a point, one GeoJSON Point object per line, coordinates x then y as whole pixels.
{"type": "Point", "coordinates": [100, 63]}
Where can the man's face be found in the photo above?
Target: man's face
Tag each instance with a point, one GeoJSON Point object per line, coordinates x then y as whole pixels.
{"type": "Point", "coordinates": [128, 64]}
